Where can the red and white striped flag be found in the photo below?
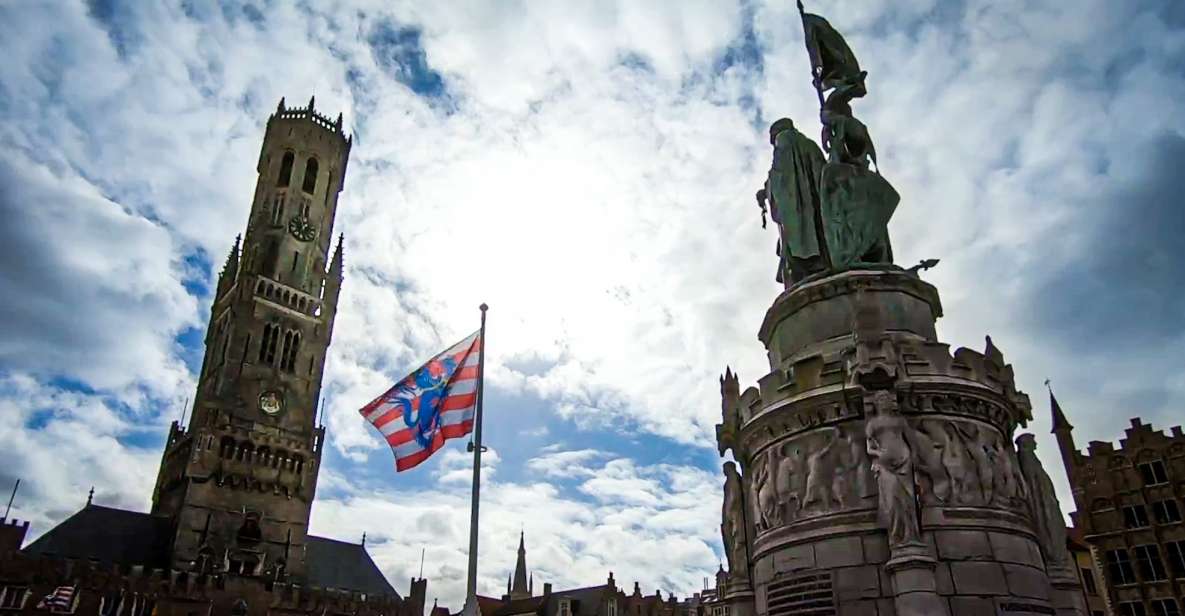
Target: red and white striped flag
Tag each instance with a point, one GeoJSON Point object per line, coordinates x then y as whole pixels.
{"type": "Point", "coordinates": [430, 405]}
{"type": "Point", "coordinates": [59, 600]}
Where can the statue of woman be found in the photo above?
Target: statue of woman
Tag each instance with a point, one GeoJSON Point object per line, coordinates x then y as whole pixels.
{"type": "Point", "coordinates": [733, 525]}
{"type": "Point", "coordinates": [1048, 522]}
{"type": "Point", "coordinates": [892, 465]}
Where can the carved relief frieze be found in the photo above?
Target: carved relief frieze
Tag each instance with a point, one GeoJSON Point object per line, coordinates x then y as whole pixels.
{"type": "Point", "coordinates": [819, 473]}
{"type": "Point", "coordinates": [965, 463]}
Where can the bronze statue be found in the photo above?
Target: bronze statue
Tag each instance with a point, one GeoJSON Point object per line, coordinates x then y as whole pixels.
{"type": "Point", "coordinates": [832, 212]}
{"type": "Point", "coordinates": [793, 191]}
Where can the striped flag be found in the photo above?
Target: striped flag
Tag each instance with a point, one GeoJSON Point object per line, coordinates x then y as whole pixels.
{"type": "Point", "coordinates": [59, 600]}
{"type": "Point", "coordinates": [430, 405]}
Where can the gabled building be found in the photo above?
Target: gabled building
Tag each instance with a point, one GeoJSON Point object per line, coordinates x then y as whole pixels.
{"type": "Point", "coordinates": [1129, 510]}
{"type": "Point", "coordinates": [228, 528]}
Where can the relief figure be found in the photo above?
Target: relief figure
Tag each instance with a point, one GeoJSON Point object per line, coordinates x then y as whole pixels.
{"type": "Point", "coordinates": [820, 469]}
{"type": "Point", "coordinates": [930, 452]}
{"type": "Point", "coordinates": [787, 482]}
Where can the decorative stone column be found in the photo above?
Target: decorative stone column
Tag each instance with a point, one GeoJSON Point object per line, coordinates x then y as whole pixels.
{"type": "Point", "coordinates": [878, 468]}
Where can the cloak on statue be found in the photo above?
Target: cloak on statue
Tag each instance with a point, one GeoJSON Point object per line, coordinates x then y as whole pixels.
{"type": "Point", "coordinates": [794, 189]}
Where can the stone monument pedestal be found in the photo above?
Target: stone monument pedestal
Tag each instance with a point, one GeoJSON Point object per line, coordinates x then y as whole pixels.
{"type": "Point", "coordinates": [879, 471]}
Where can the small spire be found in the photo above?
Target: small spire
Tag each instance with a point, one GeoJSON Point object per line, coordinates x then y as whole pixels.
{"type": "Point", "coordinates": [339, 121]}
{"type": "Point", "coordinates": [363, 538]}
{"type": "Point", "coordinates": [311, 99]}
{"type": "Point", "coordinates": [337, 264]}
{"type": "Point", "coordinates": [1060, 423]}
{"type": "Point", "coordinates": [90, 497]}
{"type": "Point", "coordinates": [280, 107]}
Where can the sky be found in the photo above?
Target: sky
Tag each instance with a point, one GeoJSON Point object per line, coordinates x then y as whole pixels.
{"type": "Point", "coordinates": [587, 169]}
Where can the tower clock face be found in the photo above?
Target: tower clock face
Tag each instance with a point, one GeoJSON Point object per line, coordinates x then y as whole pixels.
{"type": "Point", "coordinates": [271, 402]}
{"type": "Point", "coordinates": [301, 228]}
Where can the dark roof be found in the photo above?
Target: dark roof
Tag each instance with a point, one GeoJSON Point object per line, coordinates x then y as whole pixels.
{"type": "Point", "coordinates": [109, 536]}
{"type": "Point", "coordinates": [123, 537]}
{"type": "Point", "coordinates": [347, 566]}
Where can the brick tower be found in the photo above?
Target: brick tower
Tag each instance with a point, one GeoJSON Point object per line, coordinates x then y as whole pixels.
{"type": "Point", "coordinates": [239, 482]}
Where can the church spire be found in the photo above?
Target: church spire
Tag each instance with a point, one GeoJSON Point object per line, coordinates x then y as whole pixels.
{"type": "Point", "coordinates": [1064, 433]}
{"type": "Point", "coordinates": [521, 587]}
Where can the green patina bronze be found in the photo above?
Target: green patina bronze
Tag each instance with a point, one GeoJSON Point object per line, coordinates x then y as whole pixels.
{"type": "Point", "coordinates": [832, 212]}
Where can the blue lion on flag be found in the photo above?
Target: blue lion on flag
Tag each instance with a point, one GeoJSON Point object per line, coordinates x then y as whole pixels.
{"type": "Point", "coordinates": [419, 396]}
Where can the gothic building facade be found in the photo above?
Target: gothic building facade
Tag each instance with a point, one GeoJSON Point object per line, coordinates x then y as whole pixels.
{"type": "Point", "coordinates": [1128, 502]}
{"type": "Point", "coordinates": [228, 527]}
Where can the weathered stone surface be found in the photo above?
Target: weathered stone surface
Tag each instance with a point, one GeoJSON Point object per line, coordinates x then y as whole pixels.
{"type": "Point", "coordinates": [1011, 548]}
{"type": "Point", "coordinates": [978, 578]}
{"type": "Point", "coordinates": [763, 570]}
{"type": "Point", "coordinates": [865, 607]}
{"type": "Point", "coordinates": [915, 579]}
{"type": "Point", "coordinates": [885, 607]}
{"type": "Point", "coordinates": [795, 558]}
{"type": "Point", "coordinates": [942, 579]}
{"type": "Point", "coordinates": [921, 604]}
{"type": "Point", "coordinates": [853, 583]}
{"type": "Point", "coordinates": [839, 552]}
{"type": "Point", "coordinates": [1024, 581]}
{"type": "Point", "coordinates": [972, 606]}
{"type": "Point", "coordinates": [963, 545]}
{"type": "Point", "coordinates": [876, 548]}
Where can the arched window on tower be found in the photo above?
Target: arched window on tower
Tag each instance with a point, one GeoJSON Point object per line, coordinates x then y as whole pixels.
{"type": "Point", "coordinates": [278, 208]}
{"type": "Point", "coordinates": [286, 169]}
{"type": "Point", "coordinates": [291, 346]}
{"type": "Point", "coordinates": [310, 176]}
{"type": "Point", "coordinates": [267, 347]}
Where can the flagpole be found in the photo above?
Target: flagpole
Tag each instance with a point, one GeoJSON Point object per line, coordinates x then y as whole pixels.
{"type": "Point", "coordinates": [471, 590]}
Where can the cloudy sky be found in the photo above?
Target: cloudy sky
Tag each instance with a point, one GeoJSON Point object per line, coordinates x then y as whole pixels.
{"type": "Point", "coordinates": [588, 169]}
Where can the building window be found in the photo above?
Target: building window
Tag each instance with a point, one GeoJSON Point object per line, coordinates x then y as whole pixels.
{"type": "Point", "coordinates": [1088, 581]}
{"type": "Point", "coordinates": [13, 597]}
{"type": "Point", "coordinates": [267, 347]}
{"type": "Point", "coordinates": [1131, 608]}
{"type": "Point", "coordinates": [565, 607]}
{"type": "Point", "coordinates": [1135, 516]}
{"type": "Point", "coordinates": [291, 347]}
{"type": "Point", "coordinates": [1165, 607]}
{"type": "Point", "coordinates": [1119, 567]}
{"type": "Point", "coordinates": [1148, 560]}
{"type": "Point", "coordinates": [1153, 473]}
{"type": "Point", "coordinates": [286, 169]}
{"type": "Point", "coordinates": [1176, 552]}
{"type": "Point", "coordinates": [310, 176]}
{"type": "Point", "coordinates": [1166, 511]}
{"type": "Point", "coordinates": [612, 608]}
{"type": "Point", "coordinates": [278, 208]}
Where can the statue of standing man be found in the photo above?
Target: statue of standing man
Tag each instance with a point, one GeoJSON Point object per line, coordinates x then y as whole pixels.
{"type": "Point", "coordinates": [792, 190]}
{"type": "Point", "coordinates": [732, 527]}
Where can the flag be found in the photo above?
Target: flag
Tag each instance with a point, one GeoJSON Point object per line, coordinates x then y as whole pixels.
{"type": "Point", "coordinates": [430, 405]}
{"type": "Point", "coordinates": [59, 600]}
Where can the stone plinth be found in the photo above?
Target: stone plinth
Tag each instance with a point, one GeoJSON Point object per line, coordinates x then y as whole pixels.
{"type": "Point", "coordinates": [878, 469]}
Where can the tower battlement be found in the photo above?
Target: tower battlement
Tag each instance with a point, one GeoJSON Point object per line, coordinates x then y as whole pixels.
{"type": "Point", "coordinates": [311, 114]}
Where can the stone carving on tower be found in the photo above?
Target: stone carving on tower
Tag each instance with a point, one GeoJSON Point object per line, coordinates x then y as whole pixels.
{"type": "Point", "coordinates": [877, 467]}
{"type": "Point", "coordinates": [240, 481]}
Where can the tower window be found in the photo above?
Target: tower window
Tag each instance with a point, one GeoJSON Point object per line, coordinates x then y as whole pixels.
{"type": "Point", "coordinates": [278, 208]}
{"type": "Point", "coordinates": [267, 347]}
{"type": "Point", "coordinates": [310, 176]}
{"type": "Point", "coordinates": [286, 169]}
{"type": "Point", "coordinates": [291, 346]}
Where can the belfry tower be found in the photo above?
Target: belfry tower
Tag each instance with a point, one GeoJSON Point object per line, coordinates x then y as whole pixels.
{"type": "Point", "coordinates": [239, 482]}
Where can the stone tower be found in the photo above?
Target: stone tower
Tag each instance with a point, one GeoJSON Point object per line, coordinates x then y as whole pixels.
{"type": "Point", "coordinates": [239, 482]}
{"type": "Point", "coordinates": [875, 471]}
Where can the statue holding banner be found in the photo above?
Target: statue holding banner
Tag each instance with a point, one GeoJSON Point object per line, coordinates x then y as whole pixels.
{"type": "Point", "coordinates": [832, 213]}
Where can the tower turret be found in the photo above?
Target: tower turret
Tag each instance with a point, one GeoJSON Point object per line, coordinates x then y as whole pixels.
{"type": "Point", "coordinates": [240, 482]}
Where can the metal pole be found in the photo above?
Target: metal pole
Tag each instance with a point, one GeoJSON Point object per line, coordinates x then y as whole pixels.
{"type": "Point", "coordinates": [471, 590]}
{"type": "Point", "coordinates": [10, 498]}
